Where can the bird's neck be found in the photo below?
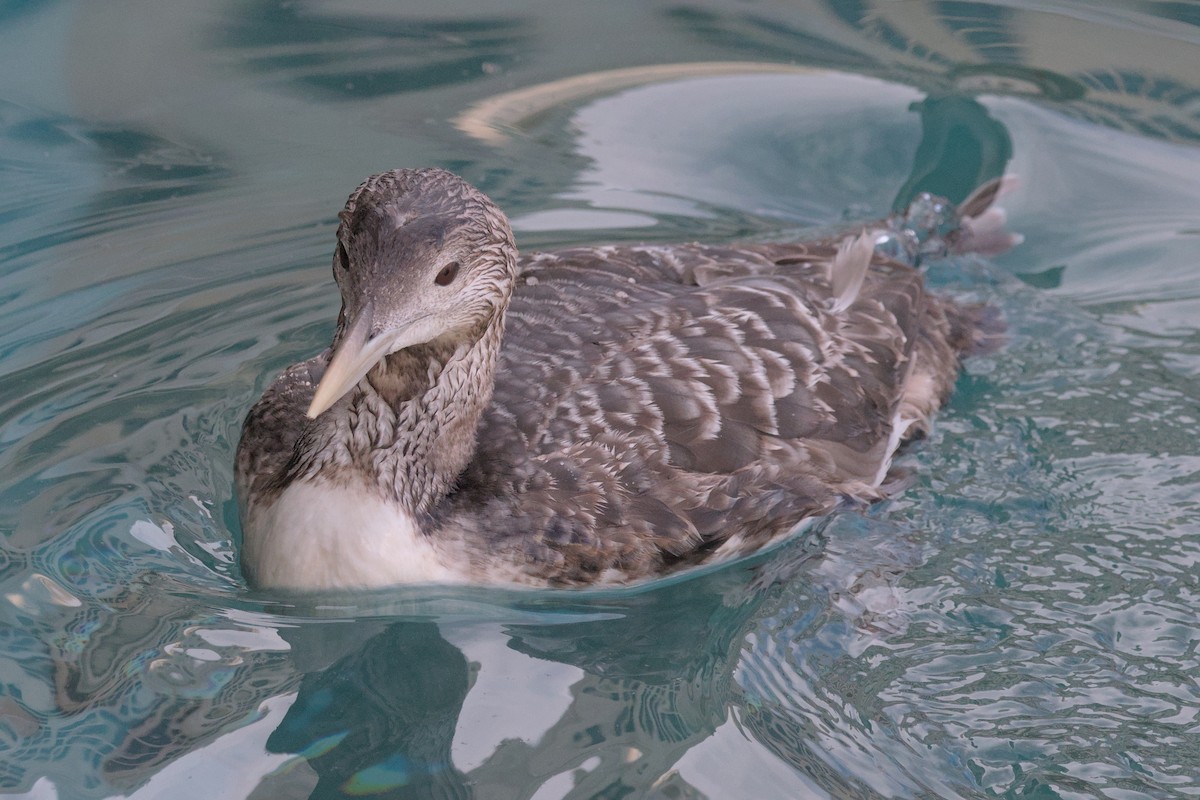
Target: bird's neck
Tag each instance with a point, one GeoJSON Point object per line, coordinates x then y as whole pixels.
{"type": "Point", "coordinates": [408, 428]}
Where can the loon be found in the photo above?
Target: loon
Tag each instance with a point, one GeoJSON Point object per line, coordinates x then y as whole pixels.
{"type": "Point", "coordinates": [587, 416]}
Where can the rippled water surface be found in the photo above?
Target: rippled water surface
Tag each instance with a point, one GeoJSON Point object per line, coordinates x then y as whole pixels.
{"type": "Point", "coordinates": [1022, 622]}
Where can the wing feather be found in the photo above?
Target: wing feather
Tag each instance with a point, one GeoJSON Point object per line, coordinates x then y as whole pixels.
{"type": "Point", "coordinates": [727, 390]}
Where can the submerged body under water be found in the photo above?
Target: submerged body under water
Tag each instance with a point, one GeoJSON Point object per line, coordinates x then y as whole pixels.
{"type": "Point", "coordinates": [1020, 622]}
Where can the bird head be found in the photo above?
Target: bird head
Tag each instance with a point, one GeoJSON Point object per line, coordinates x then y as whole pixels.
{"type": "Point", "coordinates": [421, 256]}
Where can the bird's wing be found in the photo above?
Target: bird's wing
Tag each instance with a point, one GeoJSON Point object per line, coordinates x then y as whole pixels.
{"type": "Point", "coordinates": [715, 358]}
{"type": "Point", "coordinates": [654, 406]}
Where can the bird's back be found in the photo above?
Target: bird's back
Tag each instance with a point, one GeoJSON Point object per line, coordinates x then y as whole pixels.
{"type": "Point", "coordinates": [656, 405]}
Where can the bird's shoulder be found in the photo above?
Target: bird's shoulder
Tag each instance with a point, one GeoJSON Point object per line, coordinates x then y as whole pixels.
{"type": "Point", "coordinates": [275, 423]}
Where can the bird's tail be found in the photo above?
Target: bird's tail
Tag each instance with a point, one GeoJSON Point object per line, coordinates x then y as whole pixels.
{"type": "Point", "coordinates": [982, 223]}
{"type": "Point", "coordinates": [932, 227]}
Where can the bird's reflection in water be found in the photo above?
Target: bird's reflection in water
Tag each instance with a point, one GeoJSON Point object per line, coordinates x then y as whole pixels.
{"type": "Point", "coordinates": [374, 704]}
{"type": "Point", "coordinates": [381, 718]}
{"type": "Point", "coordinates": [656, 678]}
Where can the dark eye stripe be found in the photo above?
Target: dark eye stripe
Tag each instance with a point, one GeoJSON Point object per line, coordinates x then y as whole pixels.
{"type": "Point", "coordinates": [447, 274]}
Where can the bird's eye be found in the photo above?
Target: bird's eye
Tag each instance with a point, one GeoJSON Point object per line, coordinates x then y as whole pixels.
{"type": "Point", "coordinates": [342, 258]}
{"type": "Point", "coordinates": [447, 274]}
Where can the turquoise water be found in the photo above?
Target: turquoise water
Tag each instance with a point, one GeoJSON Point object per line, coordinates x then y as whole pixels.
{"type": "Point", "coordinates": [1023, 622]}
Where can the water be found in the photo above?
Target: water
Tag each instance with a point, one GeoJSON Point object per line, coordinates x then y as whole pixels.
{"type": "Point", "coordinates": [1021, 623]}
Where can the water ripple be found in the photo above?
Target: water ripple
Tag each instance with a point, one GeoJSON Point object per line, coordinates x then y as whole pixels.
{"type": "Point", "coordinates": [1022, 622]}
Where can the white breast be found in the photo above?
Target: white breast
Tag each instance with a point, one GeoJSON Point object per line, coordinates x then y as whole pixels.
{"type": "Point", "coordinates": [320, 536]}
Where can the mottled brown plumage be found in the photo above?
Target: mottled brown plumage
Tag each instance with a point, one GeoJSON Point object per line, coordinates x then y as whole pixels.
{"type": "Point", "coordinates": [597, 414]}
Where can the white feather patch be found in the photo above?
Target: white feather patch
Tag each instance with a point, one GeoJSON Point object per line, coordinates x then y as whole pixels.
{"type": "Point", "coordinates": [849, 269]}
{"type": "Point", "coordinates": [320, 536]}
